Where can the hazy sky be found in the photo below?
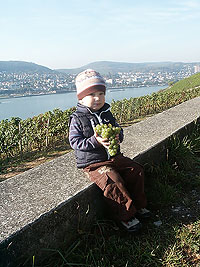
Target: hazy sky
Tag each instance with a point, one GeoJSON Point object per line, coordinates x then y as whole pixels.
{"type": "Point", "coordinates": [72, 33]}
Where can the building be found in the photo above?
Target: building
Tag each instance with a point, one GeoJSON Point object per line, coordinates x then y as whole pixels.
{"type": "Point", "coordinates": [196, 68]}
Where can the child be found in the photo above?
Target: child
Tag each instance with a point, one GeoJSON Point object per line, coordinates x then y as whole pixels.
{"type": "Point", "coordinates": [120, 178]}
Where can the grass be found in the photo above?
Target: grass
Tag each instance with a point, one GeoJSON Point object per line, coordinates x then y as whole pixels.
{"type": "Point", "coordinates": [187, 83]}
{"type": "Point", "coordinates": [173, 192]}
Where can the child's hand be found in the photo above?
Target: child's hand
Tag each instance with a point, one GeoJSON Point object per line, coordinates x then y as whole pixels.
{"type": "Point", "coordinates": [117, 137]}
{"type": "Point", "coordinates": [103, 141]}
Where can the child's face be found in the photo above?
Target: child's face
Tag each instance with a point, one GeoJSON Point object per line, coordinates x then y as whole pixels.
{"type": "Point", "coordinates": [94, 101]}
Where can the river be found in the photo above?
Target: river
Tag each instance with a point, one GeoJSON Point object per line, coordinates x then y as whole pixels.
{"type": "Point", "coordinates": [29, 106]}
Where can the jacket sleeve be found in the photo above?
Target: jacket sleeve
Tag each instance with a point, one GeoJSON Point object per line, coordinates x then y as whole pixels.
{"type": "Point", "coordinates": [78, 141]}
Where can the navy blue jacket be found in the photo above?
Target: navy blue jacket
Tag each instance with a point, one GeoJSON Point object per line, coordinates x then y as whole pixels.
{"type": "Point", "coordinates": [81, 134]}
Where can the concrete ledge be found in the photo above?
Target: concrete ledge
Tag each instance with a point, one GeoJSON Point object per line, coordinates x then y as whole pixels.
{"type": "Point", "coordinates": [43, 208]}
{"type": "Point", "coordinates": [50, 204]}
{"type": "Point", "coordinates": [148, 134]}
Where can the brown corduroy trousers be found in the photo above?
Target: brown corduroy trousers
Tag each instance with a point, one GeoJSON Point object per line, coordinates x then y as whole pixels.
{"type": "Point", "coordinates": [122, 181]}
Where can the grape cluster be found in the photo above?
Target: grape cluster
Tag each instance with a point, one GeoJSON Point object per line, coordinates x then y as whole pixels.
{"type": "Point", "coordinates": [109, 132]}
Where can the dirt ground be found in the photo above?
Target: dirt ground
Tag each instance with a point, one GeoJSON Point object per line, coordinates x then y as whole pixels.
{"type": "Point", "coordinates": [14, 168]}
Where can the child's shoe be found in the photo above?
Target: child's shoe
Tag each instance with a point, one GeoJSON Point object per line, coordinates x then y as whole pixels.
{"type": "Point", "coordinates": [143, 214]}
{"type": "Point", "coordinates": [133, 225]}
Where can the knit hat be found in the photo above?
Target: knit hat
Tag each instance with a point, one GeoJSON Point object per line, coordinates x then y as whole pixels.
{"type": "Point", "coordinates": [89, 81]}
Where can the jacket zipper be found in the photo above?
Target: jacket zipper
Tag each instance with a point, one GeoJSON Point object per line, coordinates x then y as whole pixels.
{"type": "Point", "coordinates": [100, 122]}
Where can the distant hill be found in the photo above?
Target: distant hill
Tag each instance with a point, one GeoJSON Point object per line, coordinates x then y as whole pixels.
{"type": "Point", "coordinates": [187, 83]}
{"type": "Point", "coordinates": [22, 66]}
{"type": "Point", "coordinates": [105, 67]}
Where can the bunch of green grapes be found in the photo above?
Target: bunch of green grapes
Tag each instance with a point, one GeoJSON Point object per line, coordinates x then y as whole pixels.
{"type": "Point", "coordinates": [109, 132]}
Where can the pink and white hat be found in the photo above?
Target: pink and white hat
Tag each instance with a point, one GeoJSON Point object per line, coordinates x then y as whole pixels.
{"type": "Point", "coordinates": [89, 81]}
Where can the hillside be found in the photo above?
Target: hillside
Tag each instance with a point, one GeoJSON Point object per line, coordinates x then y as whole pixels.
{"type": "Point", "coordinates": [106, 67]}
{"type": "Point", "coordinates": [22, 66]}
{"type": "Point", "coordinates": [187, 83]}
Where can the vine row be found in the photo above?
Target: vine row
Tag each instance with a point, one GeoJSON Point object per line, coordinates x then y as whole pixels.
{"type": "Point", "coordinates": [47, 130]}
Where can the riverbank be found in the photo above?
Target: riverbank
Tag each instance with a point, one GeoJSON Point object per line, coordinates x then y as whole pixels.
{"type": "Point", "coordinates": [28, 106]}
{"type": "Point", "coordinates": [71, 91]}
{"type": "Point", "coordinates": [31, 95]}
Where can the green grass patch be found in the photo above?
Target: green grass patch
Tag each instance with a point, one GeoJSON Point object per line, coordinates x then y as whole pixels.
{"type": "Point", "coordinates": [187, 83]}
{"type": "Point", "coordinates": [185, 250]}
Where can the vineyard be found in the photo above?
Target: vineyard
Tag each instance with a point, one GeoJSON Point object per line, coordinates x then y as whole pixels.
{"type": "Point", "coordinates": [46, 131]}
{"type": "Point", "coordinates": [131, 109]}
{"type": "Point", "coordinates": [191, 82]}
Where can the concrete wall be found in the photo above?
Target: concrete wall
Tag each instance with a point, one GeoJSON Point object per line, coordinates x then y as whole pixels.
{"type": "Point", "coordinates": [52, 203]}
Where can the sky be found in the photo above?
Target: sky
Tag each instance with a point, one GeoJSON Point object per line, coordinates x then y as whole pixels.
{"type": "Point", "coordinates": [72, 33]}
